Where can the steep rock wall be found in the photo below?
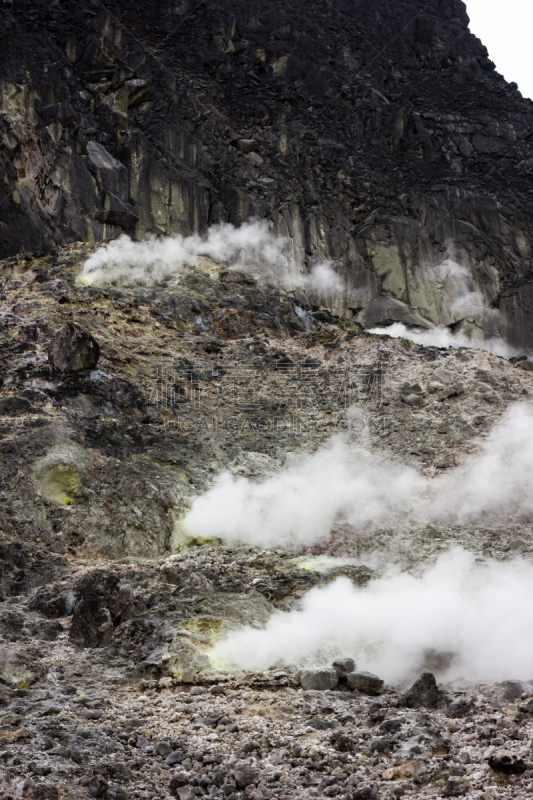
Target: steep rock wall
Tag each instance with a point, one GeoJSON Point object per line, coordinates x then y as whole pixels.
{"type": "Point", "coordinates": [374, 134]}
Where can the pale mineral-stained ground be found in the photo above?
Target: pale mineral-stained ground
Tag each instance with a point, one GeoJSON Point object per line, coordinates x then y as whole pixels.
{"type": "Point", "coordinates": [108, 611]}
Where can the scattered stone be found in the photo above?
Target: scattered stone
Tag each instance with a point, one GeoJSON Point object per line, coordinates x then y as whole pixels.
{"type": "Point", "coordinates": [322, 723]}
{"type": "Point", "coordinates": [176, 757]}
{"type": "Point", "coordinates": [460, 707]}
{"type": "Point", "coordinates": [117, 793]}
{"type": "Point", "coordinates": [365, 682]}
{"type": "Point", "coordinates": [507, 762]}
{"type": "Point", "coordinates": [97, 786]}
{"type": "Point", "coordinates": [186, 793]}
{"type": "Point", "coordinates": [457, 787]}
{"type": "Point", "coordinates": [73, 349]}
{"type": "Point", "coordinates": [415, 400]}
{"type": "Point", "coordinates": [344, 743]}
{"type": "Point", "coordinates": [376, 711]}
{"type": "Point", "coordinates": [245, 775]}
{"type": "Point", "coordinates": [527, 708]}
{"type": "Point", "coordinates": [163, 749]}
{"type": "Point", "coordinates": [53, 604]}
{"type": "Point", "coordinates": [424, 692]}
{"type": "Point", "coordinates": [343, 666]}
{"type": "Point", "coordinates": [318, 679]}
{"type": "Point", "coordinates": [442, 375]}
{"type": "Point", "coordinates": [367, 793]}
{"type": "Point", "coordinates": [178, 781]}
{"type": "Point", "coordinates": [383, 745]}
{"type": "Point", "coordinates": [390, 726]}
{"type": "Point", "coordinates": [412, 395]}
{"type": "Point", "coordinates": [450, 391]}
{"type": "Point", "coordinates": [511, 690]}
{"type": "Point", "coordinates": [89, 713]}
{"type": "Point", "coordinates": [104, 603]}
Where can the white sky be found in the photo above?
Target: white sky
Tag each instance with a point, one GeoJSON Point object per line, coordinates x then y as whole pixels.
{"type": "Point", "coordinates": [505, 28]}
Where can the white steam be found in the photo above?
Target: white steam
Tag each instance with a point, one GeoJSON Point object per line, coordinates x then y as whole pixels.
{"type": "Point", "coordinates": [444, 337]}
{"type": "Point", "coordinates": [342, 482]}
{"type": "Point", "coordinates": [446, 293]}
{"type": "Point", "coordinates": [453, 293]}
{"type": "Point", "coordinates": [480, 615]}
{"type": "Point", "coordinates": [498, 482]}
{"type": "Point", "coordinates": [253, 247]}
{"type": "Point", "coordinates": [298, 505]}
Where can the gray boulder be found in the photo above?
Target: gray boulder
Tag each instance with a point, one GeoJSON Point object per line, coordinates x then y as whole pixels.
{"type": "Point", "coordinates": [507, 762]}
{"type": "Point", "coordinates": [319, 679]}
{"type": "Point", "coordinates": [73, 349]}
{"type": "Point", "coordinates": [179, 780]}
{"type": "Point", "coordinates": [343, 666]}
{"type": "Point", "coordinates": [511, 690]}
{"type": "Point", "coordinates": [174, 758]}
{"type": "Point", "coordinates": [186, 793]}
{"type": "Point", "coordinates": [365, 682]}
{"type": "Point", "coordinates": [423, 692]}
{"type": "Point", "coordinates": [413, 400]}
{"type": "Point", "coordinates": [366, 793]}
{"type": "Point", "coordinates": [245, 775]}
{"type": "Point", "coordinates": [527, 708]}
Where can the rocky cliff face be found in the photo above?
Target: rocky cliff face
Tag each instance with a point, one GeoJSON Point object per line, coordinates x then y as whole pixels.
{"type": "Point", "coordinates": [376, 134]}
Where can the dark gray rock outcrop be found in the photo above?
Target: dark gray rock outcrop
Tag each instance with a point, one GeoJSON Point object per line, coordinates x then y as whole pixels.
{"type": "Point", "coordinates": [318, 679]}
{"type": "Point", "coordinates": [103, 603]}
{"type": "Point", "coordinates": [424, 692]}
{"type": "Point", "coordinates": [400, 158]}
{"type": "Point", "coordinates": [507, 762]}
{"type": "Point", "coordinates": [365, 682]}
{"type": "Point", "coordinates": [73, 349]}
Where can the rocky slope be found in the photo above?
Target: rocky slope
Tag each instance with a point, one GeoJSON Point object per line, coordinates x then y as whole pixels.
{"type": "Point", "coordinates": [376, 134]}
{"type": "Point", "coordinates": [373, 134]}
{"type": "Point", "coordinates": [107, 688]}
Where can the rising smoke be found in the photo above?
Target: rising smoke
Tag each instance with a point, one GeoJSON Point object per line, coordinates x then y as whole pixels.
{"type": "Point", "coordinates": [297, 506]}
{"type": "Point", "coordinates": [342, 482]}
{"type": "Point", "coordinates": [441, 336]}
{"type": "Point", "coordinates": [256, 249]}
{"type": "Point", "coordinates": [253, 247]}
{"type": "Point", "coordinates": [479, 616]}
{"type": "Point", "coordinates": [456, 303]}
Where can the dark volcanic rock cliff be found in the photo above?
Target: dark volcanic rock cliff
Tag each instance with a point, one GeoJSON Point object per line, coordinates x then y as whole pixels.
{"type": "Point", "coordinates": [374, 133]}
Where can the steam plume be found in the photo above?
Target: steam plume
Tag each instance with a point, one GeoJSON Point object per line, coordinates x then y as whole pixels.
{"type": "Point", "coordinates": [253, 247]}
{"type": "Point", "coordinates": [298, 505]}
{"type": "Point", "coordinates": [444, 337]}
{"type": "Point", "coordinates": [480, 615]}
